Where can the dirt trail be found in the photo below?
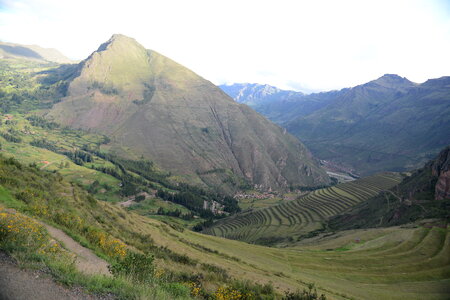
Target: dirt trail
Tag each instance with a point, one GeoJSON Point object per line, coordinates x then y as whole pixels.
{"type": "Point", "coordinates": [86, 261]}
{"type": "Point", "coordinates": [18, 284]}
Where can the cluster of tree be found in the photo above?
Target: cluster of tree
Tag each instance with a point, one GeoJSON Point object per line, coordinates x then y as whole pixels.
{"type": "Point", "coordinates": [192, 201]}
{"type": "Point", "coordinates": [175, 213]}
{"type": "Point", "coordinates": [205, 224]}
{"type": "Point", "coordinates": [42, 122]}
{"type": "Point", "coordinates": [79, 157]}
{"type": "Point", "coordinates": [44, 144]}
{"type": "Point", "coordinates": [10, 137]}
{"type": "Point", "coordinates": [105, 89]}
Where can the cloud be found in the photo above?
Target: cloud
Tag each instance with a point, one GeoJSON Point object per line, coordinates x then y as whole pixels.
{"type": "Point", "coordinates": [315, 44]}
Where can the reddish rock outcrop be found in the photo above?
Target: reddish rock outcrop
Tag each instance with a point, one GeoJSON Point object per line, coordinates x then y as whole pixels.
{"type": "Point", "coordinates": [441, 169]}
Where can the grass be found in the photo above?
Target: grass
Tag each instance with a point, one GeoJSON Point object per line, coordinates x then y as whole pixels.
{"type": "Point", "coordinates": [292, 220]}
{"type": "Point", "coordinates": [27, 241]}
{"type": "Point", "coordinates": [383, 266]}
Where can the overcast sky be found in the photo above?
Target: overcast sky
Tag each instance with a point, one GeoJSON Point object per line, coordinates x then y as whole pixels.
{"type": "Point", "coordinates": [302, 45]}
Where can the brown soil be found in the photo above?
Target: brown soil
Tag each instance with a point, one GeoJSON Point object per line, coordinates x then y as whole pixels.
{"type": "Point", "coordinates": [18, 284]}
{"type": "Point", "coordinates": [86, 261]}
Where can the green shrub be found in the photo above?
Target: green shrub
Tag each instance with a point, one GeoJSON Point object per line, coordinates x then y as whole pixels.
{"type": "Point", "coordinates": [310, 294]}
{"type": "Point", "coordinates": [138, 267]}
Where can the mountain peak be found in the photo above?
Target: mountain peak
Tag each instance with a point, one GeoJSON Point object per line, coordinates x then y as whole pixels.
{"type": "Point", "coordinates": [119, 39]}
{"type": "Point", "coordinates": [154, 107]}
{"type": "Point", "coordinates": [393, 81]}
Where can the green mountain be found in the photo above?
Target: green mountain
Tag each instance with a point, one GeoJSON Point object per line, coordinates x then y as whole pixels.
{"type": "Point", "coordinates": [423, 195]}
{"type": "Point", "coordinates": [153, 107]}
{"type": "Point", "coordinates": [389, 124]}
{"type": "Point", "coordinates": [32, 52]}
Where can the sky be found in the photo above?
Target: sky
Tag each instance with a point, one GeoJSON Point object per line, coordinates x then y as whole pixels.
{"type": "Point", "coordinates": [301, 45]}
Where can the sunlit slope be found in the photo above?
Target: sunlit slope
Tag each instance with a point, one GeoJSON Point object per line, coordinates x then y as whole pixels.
{"type": "Point", "coordinates": [153, 107]}
{"type": "Point", "coordinates": [295, 218]}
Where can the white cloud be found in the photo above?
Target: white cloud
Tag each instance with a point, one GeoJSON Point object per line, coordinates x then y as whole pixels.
{"type": "Point", "coordinates": [315, 44]}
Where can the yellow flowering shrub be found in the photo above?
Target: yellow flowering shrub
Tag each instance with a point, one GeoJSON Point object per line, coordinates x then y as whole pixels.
{"type": "Point", "coordinates": [194, 287]}
{"type": "Point", "coordinates": [20, 231]}
{"type": "Point", "coordinates": [68, 220]}
{"type": "Point", "coordinates": [159, 273]}
{"type": "Point", "coordinates": [111, 246]}
{"type": "Point", "coordinates": [38, 209]}
{"type": "Point", "coordinates": [227, 293]}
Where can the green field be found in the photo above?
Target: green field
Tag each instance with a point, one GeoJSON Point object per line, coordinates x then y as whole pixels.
{"type": "Point", "coordinates": [385, 263]}
{"type": "Point", "coordinates": [293, 219]}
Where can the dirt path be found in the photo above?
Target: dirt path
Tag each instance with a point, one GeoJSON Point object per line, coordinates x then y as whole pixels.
{"type": "Point", "coordinates": [18, 284]}
{"type": "Point", "coordinates": [127, 203]}
{"type": "Point", "coordinates": [86, 261]}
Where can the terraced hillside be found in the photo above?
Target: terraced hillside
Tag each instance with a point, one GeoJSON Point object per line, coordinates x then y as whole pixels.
{"type": "Point", "coordinates": [295, 218]}
{"type": "Point", "coordinates": [382, 263]}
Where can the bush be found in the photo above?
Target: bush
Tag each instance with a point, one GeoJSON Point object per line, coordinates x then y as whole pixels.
{"type": "Point", "coordinates": [310, 294]}
{"type": "Point", "coordinates": [111, 246]}
{"type": "Point", "coordinates": [138, 267]}
{"type": "Point", "coordinates": [21, 233]}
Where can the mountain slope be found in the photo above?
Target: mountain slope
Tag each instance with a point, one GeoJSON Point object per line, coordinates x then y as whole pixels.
{"type": "Point", "coordinates": [153, 107]}
{"type": "Point", "coordinates": [32, 52]}
{"type": "Point", "coordinates": [389, 124]}
{"type": "Point", "coordinates": [423, 195]}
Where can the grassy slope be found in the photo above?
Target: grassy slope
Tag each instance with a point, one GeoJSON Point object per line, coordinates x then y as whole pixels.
{"type": "Point", "coordinates": [389, 263]}
{"type": "Point", "coordinates": [108, 186]}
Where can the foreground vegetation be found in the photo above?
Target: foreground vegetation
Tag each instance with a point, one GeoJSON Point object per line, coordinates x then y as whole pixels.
{"type": "Point", "coordinates": [391, 263]}
{"type": "Point", "coordinates": [114, 234]}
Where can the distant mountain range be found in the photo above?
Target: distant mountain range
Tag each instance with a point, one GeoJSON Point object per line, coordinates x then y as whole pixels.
{"type": "Point", "coordinates": [254, 94]}
{"type": "Point", "coordinates": [33, 52]}
{"type": "Point", "coordinates": [389, 124]}
{"type": "Point", "coordinates": [152, 107]}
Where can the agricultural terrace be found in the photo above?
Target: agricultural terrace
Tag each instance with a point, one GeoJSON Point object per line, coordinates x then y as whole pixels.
{"type": "Point", "coordinates": [296, 218]}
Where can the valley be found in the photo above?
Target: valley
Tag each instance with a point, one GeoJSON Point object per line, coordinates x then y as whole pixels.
{"type": "Point", "coordinates": [387, 124]}
{"type": "Point", "coordinates": [179, 192]}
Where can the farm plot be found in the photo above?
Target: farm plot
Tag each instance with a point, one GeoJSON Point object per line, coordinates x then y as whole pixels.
{"type": "Point", "coordinates": [296, 218]}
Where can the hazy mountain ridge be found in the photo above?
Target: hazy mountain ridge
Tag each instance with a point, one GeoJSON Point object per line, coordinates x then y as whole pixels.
{"type": "Point", "coordinates": [150, 105]}
{"type": "Point", "coordinates": [33, 52]}
{"type": "Point", "coordinates": [388, 124]}
{"type": "Point", "coordinates": [255, 94]}
{"type": "Point", "coordinates": [276, 104]}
